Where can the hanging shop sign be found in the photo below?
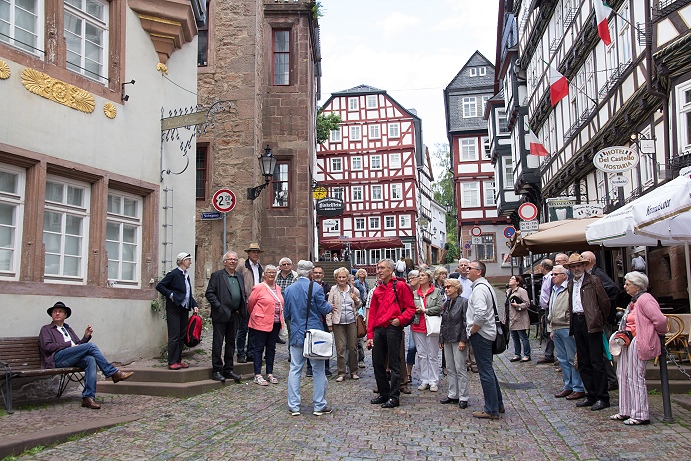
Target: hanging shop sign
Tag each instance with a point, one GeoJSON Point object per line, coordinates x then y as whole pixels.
{"type": "Point", "coordinates": [330, 207]}
{"type": "Point", "coordinates": [615, 159]}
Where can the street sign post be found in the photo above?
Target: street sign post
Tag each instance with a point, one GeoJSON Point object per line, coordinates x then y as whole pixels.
{"type": "Point", "coordinates": [527, 211]}
{"type": "Point", "coordinates": [509, 231]}
{"type": "Point", "coordinates": [476, 240]}
{"type": "Point", "coordinates": [211, 215]}
{"type": "Point", "coordinates": [476, 231]}
{"type": "Point", "coordinates": [224, 200]}
{"type": "Point", "coordinates": [529, 227]}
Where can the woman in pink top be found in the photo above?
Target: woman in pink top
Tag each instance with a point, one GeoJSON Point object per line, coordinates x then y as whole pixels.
{"type": "Point", "coordinates": [265, 307]}
{"type": "Point", "coordinates": [644, 321]}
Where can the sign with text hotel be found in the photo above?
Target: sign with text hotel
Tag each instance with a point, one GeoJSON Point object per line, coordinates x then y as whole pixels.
{"type": "Point", "coordinates": [615, 159]}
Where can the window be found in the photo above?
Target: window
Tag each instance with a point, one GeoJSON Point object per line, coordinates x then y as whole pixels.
{"type": "Point", "coordinates": [11, 213]}
{"type": "Point", "coordinates": [396, 191]}
{"type": "Point", "coordinates": [508, 173]}
{"type": "Point", "coordinates": [394, 130]}
{"type": "Point", "coordinates": [375, 162]}
{"type": "Point", "coordinates": [472, 72]}
{"type": "Point", "coordinates": [390, 222]}
{"type": "Point", "coordinates": [359, 223]}
{"type": "Point", "coordinates": [470, 194]}
{"type": "Point", "coordinates": [374, 256]}
{"type": "Point", "coordinates": [356, 192]}
{"type": "Point", "coordinates": [337, 192]}
{"type": "Point", "coordinates": [352, 104]}
{"type": "Point", "coordinates": [356, 163]}
{"type": "Point", "coordinates": [123, 237]}
{"type": "Point", "coordinates": [502, 122]}
{"type": "Point", "coordinates": [394, 161]}
{"type": "Point", "coordinates": [65, 226]}
{"type": "Point", "coordinates": [490, 193]}
{"type": "Point", "coordinates": [484, 103]}
{"type": "Point", "coordinates": [374, 222]}
{"type": "Point", "coordinates": [279, 185]}
{"type": "Point", "coordinates": [281, 50]}
{"type": "Point", "coordinates": [624, 38]}
{"type": "Point", "coordinates": [374, 132]}
{"type": "Point", "coordinates": [355, 133]}
{"type": "Point", "coordinates": [332, 225]}
{"type": "Point", "coordinates": [336, 164]}
{"type": "Point", "coordinates": [203, 42]}
{"type": "Point", "coordinates": [404, 221]}
{"type": "Point", "coordinates": [485, 250]}
{"type": "Point", "coordinates": [486, 147]}
{"type": "Point", "coordinates": [684, 115]}
{"type": "Point", "coordinates": [469, 107]}
{"type": "Point", "coordinates": [376, 192]}
{"type": "Point", "coordinates": [468, 149]}
{"type": "Point", "coordinates": [335, 135]}
{"type": "Point", "coordinates": [86, 37]}
{"type": "Point", "coordinates": [482, 71]}
{"type": "Point", "coordinates": [202, 152]}
{"type": "Point", "coordinates": [21, 24]}
{"type": "Point", "coordinates": [371, 101]}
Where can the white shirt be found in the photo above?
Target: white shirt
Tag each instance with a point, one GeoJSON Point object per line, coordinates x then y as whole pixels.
{"type": "Point", "coordinates": [576, 298]}
{"type": "Point", "coordinates": [467, 286]}
{"type": "Point", "coordinates": [66, 335]}
{"type": "Point", "coordinates": [255, 272]}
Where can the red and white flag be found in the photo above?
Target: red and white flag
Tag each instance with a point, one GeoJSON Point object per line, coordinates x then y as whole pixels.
{"type": "Point", "coordinates": [558, 86]}
{"type": "Point", "coordinates": [602, 12]}
{"type": "Point", "coordinates": [535, 146]}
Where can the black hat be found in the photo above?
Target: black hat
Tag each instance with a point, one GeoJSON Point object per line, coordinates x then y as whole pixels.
{"type": "Point", "coordinates": [61, 305]}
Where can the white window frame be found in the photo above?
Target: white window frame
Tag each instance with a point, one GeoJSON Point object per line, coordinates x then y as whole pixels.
{"type": "Point", "coordinates": [469, 106]}
{"type": "Point", "coordinates": [374, 132]}
{"type": "Point", "coordinates": [37, 33]}
{"type": "Point", "coordinates": [122, 220]}
{"type": "Point", "coordinates": [375, 162]}
{"type": "Point", "coordinates": [490, 193]}
{"type": "Point", "coordinates": [14, 199]}
{"type": "Point", "coordinates": [337, 192]}
{"type": "Point", "coordinates": [64, 209]}
{"type": "Point", "coordinates": [389, 222]}
{"type": "Point", "coordinates": [356, 193]}
{"type": "Point", "coordinates": [101, 24]}
{"type": "Point", "coordinates": [395, 161]}
{"type": "Point", "coordinates": [486, 147]}
{"type": "Point", "coordinates": [353, 104]}
{"type": "Point", "coordinates": [356, 163]}
{"type": "Point", "coordinates": [336, 164]}
{"type": "Point", "coordinates": [468, 149]}
{"type": "Point", "coordinates": [394, 130]}
{"type": "Point", "coordinates": [501, 115]}
{"type": "Point", "coordinates": [374, 256]}
{"type": "Point", "coordinates": [684, 116]}
{"type": "Point", "coordinates": [371, 101]}
{"type": "Point", "coordinates": [396, 192]}
{"type": "Point", "coordinates": [472, 72]}
{"type": "Point", "coordinates": [377, 192]}
{"type": "Point", "coordinates": [482, 71]}
{"type": "Point", "coordinates": [470, 194]}
{"type": "Point", "coordinates": [404, 221]}
{"type": "Point", "coordinates": [332, 225]}
{"type": "Point", "coordinates": [508, 173]}
{"type": "Point", "coordinates": [335, 135]}
{"type": "Point", "coordinates": [360, 224]}
{"type": "Point", "coordinates": [374, 223]}
{"type": "Point", "coordinates": [355, 133]}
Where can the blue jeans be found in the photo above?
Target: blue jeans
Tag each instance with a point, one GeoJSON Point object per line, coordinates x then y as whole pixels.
{"type": "Point", "coordinates": [520, 337]}
{"type": "Point", "coordinates": [412, 350]}
{"type": "Point", "coordinates": [297, 361]}
{"type": "Point", "coordinates": [488, 379]}
{"type": "Point", "coordinates": [265, 339]}
{"type": "Point", "coordinates": [89, 357]}
{"type": "Point", "coordinates": [565, 346]}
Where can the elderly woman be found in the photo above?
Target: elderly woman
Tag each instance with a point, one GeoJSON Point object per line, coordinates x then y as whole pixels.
{"type": "Point", "coordinates": [411, 351]}
{"type": "Point", "coordinates": [363, 287]}
{"type": "Point", "coordinates": [428, 301]}
{"type": "Point", "coordinates": [453, 340]}
{"type": "Point", "coordinates": [265, 306]}
{"type": "Point", "coordinates": [644, 321]}
{"type": "Point", "coordinates": [519, 320]}
{"type": "Point", "coordinates": [440, 274]}
{"type": "Point", "coordinates": [345, 300]}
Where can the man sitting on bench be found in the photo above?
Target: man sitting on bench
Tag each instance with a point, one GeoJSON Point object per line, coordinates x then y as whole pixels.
{"type": "Point", "coordinates": [61, 347]}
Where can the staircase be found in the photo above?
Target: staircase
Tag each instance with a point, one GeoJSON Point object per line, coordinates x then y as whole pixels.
{"type": "Point", "coordinates": [162, 382]}
{"type": "Point", "coordinates": [679, 383]}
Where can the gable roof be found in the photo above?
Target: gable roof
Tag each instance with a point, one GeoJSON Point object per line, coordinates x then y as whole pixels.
{"type": "Point", "coordinates": [462, 78]}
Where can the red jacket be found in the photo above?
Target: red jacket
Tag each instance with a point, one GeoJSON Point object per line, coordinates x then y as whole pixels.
{"type": "Point", "coordinates": [383, 307]}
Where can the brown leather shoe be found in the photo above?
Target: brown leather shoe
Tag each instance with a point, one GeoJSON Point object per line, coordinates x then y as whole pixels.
{"type": "Point", "coordinates": [576, 396]}
{"type": "Point", "coordinates": [88, 402]}
{"type": "Point", "coordinates": [564, 393]}
{"type": "Point", "coordinates": [121, 376]}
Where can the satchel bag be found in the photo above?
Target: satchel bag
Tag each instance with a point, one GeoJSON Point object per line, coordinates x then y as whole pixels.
{"type": "Point", "coordinates": [501, 341]}
{"type": "Point", "coordinates": [318, 344]}
{"type": "Point", "coordinates": [361, 326]}
{"type": "Point", "coordinates": [433, 324]}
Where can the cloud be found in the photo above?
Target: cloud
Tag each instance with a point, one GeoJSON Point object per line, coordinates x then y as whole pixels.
{"type": "Point", "coordinates": [397, 22]}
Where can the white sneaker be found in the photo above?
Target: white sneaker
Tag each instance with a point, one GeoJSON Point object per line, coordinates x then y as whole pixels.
{"type": "Point", "coordinates": [423, 387]}
{"type": "Point", "coordinates": [433, 388]}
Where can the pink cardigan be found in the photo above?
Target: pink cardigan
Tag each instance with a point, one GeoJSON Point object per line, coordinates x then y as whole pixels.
{"type": "Point", "coordinates": [261, 307]}
{"type": "Point", "coordinates": [650, 322]}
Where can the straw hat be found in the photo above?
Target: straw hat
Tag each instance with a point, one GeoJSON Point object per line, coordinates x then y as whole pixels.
{"type": "Point", "coordinates": [254, 246]}
{"type": "Point", "coordinates": [575, 258]}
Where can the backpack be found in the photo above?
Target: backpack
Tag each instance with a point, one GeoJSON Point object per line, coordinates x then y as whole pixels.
{"type": "Point", "coordinates": [400, 266]}
{"type": "Point", "coordinates": [193, 333]}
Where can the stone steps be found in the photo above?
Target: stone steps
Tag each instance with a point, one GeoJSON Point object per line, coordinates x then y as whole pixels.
{"type": "Point", "coordinates": [679, 383]}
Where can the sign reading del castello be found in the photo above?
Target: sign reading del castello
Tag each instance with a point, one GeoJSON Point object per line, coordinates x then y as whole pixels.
{"type": "Point", "coordinates": [615, 159]}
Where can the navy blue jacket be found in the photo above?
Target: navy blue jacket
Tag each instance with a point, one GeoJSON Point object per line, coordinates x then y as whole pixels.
{"type": "Point", "coordinates": [174, 282]}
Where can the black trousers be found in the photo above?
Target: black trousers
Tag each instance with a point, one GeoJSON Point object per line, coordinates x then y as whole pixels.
{"type": "Point", "coordinates": [176, 318]}
{"type": "Point", "coordinates": [224, 332]}
{"type": "Point", "coordinates": [591, 361]}
{"type": "Point", "coordinates": [387, 342]}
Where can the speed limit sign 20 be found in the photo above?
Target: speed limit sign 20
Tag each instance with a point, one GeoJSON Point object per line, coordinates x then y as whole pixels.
{"type": "Point", "coordinates": [224, 200]}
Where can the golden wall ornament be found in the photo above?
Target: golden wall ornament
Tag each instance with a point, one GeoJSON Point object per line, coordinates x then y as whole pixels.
{"type": "Point", "coordinates": [58, 91]}
{"type": "Point", "coordinates": [162, 68]}
{"type": "Point", "coordinates": [4, 70]}
{"type": "Point", "coordinates": [110, 110]}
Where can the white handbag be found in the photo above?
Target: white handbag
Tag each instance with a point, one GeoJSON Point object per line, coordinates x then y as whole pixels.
{"type": "Point", "coordinates": [433, 324]}
{"type": "Point", "coordinates": [318, 345]}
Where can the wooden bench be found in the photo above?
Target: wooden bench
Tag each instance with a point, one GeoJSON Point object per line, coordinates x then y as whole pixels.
{"type": "Point", "coordinates": [21, 358]}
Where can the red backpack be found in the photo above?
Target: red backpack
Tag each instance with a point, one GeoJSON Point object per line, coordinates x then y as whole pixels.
{"type": "Point", "coordinates": [193, 335]}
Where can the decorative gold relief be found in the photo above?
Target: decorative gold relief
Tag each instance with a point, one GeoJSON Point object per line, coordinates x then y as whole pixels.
{"type": "Point", "coordinates": [58, 91]}
{"type": "Point", "coordinates": [4, 70]}
{"type": "Point", "coordinates": [110, 110]}
{"type": "Point", "coordinates": [162, 68]}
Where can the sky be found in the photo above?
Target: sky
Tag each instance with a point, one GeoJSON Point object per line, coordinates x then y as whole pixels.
{"type": "Point", "coordinates": [410, 48]}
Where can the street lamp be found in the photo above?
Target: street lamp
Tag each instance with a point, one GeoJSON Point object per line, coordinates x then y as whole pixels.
{"type": "Point", "coordinates": [268, 164]}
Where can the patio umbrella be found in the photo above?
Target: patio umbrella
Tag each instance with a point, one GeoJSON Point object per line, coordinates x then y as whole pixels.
{"type": "Point", "coordinates": [564, 235]}
{"type": "Point", "coordinates": [617, 230]}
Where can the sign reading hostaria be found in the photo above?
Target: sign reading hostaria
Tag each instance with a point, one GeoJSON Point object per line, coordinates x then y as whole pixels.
{"type": "Point", "coordinates": [615, 159]}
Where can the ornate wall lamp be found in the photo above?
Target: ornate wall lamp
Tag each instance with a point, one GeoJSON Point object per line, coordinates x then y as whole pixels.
{"type": "Point", "coordinates": [268, 164]}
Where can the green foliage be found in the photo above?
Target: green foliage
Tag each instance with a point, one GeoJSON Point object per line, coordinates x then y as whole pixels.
{"type": "Point", "coordinates": [653, 392]}
{"type": "Point", "coordinates": [317, 10]}
{"type": "Point", "coordinates": [326, 124]}
{"type": "Point", "coordinates": [443, 194]}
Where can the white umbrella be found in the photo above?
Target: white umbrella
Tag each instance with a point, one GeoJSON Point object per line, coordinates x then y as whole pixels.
{"type": "Point", "coordinates": [617, 230]}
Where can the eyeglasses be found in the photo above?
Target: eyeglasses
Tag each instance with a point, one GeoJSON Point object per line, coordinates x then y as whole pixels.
{"type": "Point", "coordinates": [231, 259]}
{"type": "Point", "coordinates": [286, 264]}
{"type": "Point", "coordinates": [446, 287]}
{"type": "Point", "coordinates": [474, 268]}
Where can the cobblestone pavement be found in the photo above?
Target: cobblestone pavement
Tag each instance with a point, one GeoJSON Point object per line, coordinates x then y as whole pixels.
{"type": "Point", "coordinates": [253, 422]}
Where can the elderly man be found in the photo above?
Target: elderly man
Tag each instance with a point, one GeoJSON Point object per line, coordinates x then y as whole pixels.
{"type": "Point", "coordinates": [558, 323]}
{"type": "Point", "coordinates": [286, 274]}
{"type": "Point", "coordinates": [545, 292]}
{"type": "Point", "coordinates": [226, 295]}
{"type": "Point", "coordinates": [467, 285]}
{"type": "Point", "coordinates": [482, 331]}
{"type": "Point", "coordinates": [589, 307]}
{"type": "Point", "coordinates": [61, 347]}
{"type": "Point", "coordinates": [318, 276]}
{"type": "Point", "coordinates": [302, 311]}
{"type": "Point", "coordinates": [177, 289]}
{"type": "Point", "coordinates": [252, 273]}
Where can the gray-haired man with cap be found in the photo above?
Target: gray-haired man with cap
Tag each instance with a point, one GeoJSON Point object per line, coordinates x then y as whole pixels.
{"type": "Point", "coordinates": [177, 289]}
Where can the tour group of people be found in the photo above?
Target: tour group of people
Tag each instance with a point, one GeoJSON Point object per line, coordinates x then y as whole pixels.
{"type": "Point", "coordinates": [411, 315]}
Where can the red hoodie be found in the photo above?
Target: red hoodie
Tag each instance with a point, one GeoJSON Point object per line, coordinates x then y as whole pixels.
{"type": "Point", "coordinates": [383, 307]}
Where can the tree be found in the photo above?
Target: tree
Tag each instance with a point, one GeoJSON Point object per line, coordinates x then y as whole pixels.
{"type": "Point", "coordinates": [444, 194]}
{"type": "Point", "coordinates": [326, 124]}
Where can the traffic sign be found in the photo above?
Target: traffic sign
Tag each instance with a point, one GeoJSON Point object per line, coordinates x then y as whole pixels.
{"type": "Point", "coordinates": [211, 215]}
{"type": "Point", "coordinates": [476, 240]}
{"type": "Point", "coordinates": [529, 227]}
{"type": "Point", "coordinates": [467, 246]}
{"type": "Point", "coordinates": [527, 211]}
{"type": "Point", "coordinates": [224, 200]}
{"type": "Point", "coordinates": [509, 231]}
{"type": "Point", "coordinates": [476, 231]}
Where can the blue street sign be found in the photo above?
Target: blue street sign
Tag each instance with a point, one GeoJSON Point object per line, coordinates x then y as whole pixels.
{"type": "Point", "coordinates": [211, 215]}
{"type": "Point", "coordinates": [467, 246]}
{"type": "Point", "coordinates": [509, 231]}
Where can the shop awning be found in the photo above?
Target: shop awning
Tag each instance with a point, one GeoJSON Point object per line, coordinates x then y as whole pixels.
{"type": "Point", "coordinates": [565, 235]}
{"type": "Point", "coordinates": [360, 243]}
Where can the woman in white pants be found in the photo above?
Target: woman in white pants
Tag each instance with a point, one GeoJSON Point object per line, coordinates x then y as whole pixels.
{"type": "Point", "coordinates": [428, 302]}
{"type": "Point", "coordinates": [453, 339]}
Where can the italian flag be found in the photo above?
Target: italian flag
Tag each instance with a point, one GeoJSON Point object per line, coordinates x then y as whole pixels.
{"type": "Point", "coordinates": [558, 86]}
{"type": "Point", "coordinates": [536, 147]}
{"type": "Point", "coordinates": [602, 12]}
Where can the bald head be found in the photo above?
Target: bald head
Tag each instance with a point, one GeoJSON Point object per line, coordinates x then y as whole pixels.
{"type": "Point", "coordinates": [546, 265]}
{"type": "Point", "coordinates": [590, 257]}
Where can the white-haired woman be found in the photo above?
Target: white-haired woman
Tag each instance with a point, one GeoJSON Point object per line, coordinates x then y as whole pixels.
{"type": "Point", "coordinates": [345, 300]}
{"type": "Point", "coordinates": [428, 300]}
{"type": "Point", "coordinates": [644, 321]}
{"type": "Point", "coordinates": [453, 340]}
